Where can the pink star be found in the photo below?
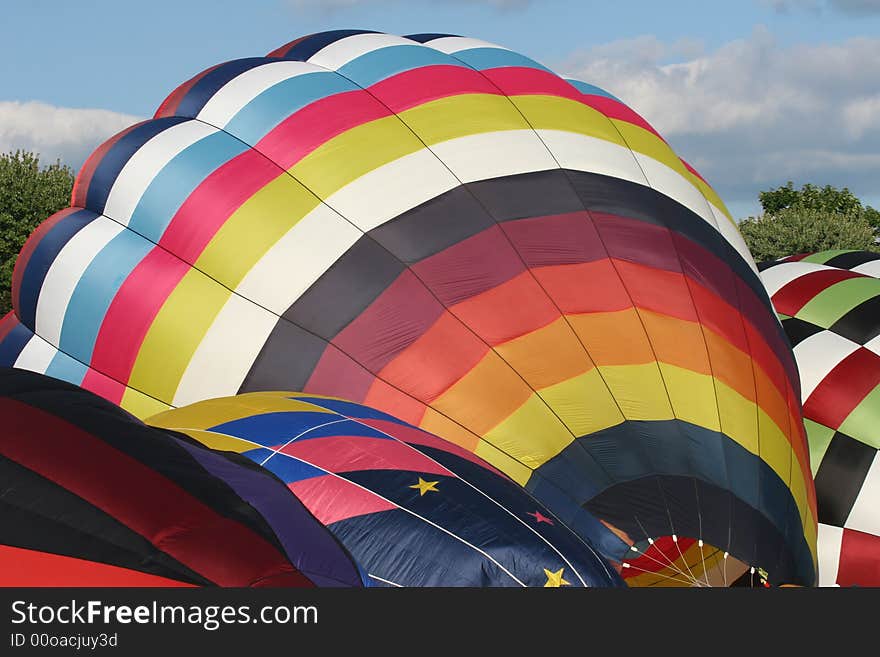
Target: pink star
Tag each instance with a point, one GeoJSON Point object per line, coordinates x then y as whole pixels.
{"type": "Point", "coordinates": [540, 517]}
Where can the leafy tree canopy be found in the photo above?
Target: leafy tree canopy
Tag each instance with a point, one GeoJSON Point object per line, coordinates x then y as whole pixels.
{"type": "Point", "coordinates": [29, 193]}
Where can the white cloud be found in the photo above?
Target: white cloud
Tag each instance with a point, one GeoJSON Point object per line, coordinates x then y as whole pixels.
{"type": "Point", "coordinates": [61, 133]}
{"type": "Point", "coordinates": [752, 114]}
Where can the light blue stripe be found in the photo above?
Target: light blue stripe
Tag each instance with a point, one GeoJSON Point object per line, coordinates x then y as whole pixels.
{"type": "Point", "coordinates": [486, 58]}
{"type": "Point", "coordinates": [370, 68]}
{"type": "Point", "coordinates": [96, 289]}
{"type": "Point", "coordinates": [67, 369]}
{"type": "Point", "coordinates": [586, 88]}
{"type": "Point", "coordinates": [272, 106]}
{"type": "Point", "coordinates": [177, 180]}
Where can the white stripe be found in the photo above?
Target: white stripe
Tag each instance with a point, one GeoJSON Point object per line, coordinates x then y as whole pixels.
{"type": "Point", "coordinates": [870, 268]}
{"type": "Point", "coordinates": [584, 153]}
{"type": "Point", "coordinates": [453, 44]}
{"type": "Point", "coordinates": [339, 53]}
{"type": "Point", "coordinates": [494, 154]}
{"type": "Point", "coordinates": [147, 162]}
{"type": "Point", "coordinates": [232, 97]}
{"type": "Point", "coordinates": [390, 190]}
{"type": "Point", "coordinates": [66, 271]}
{"type": "Point", "coordinates": [778, 276]}
{"type": "Point", "coordinates": [36, 355]}
{"type": "Point", "coordinates": [733, 237]}
{"type": "Point", "coordinates": [817, 356]}
{"type": "Point", "coordinates": [671, 183]}
{"type": "Point", "coordinates": [828, 546]}
{"type": "Point", "coordinates": [865, 513]}
{"type": "Point", "coordinates": [298, 259]}
{"type": "Point", "coordinates": [874, 345]}
{"type": "Point", "coordinates": [226, 353]}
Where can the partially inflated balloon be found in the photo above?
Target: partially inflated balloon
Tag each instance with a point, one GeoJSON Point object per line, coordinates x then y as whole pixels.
{"type": "Point", "coordinates": [829, 303]}
{"type": "Point", "coordinates": [445, 230]}
{"type": "Point", "coordinates": [413, 509]}
{"type": "Point", "coordinates": [90, 496]}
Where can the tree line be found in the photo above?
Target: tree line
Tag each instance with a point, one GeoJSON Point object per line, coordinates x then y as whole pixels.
{"type": "Point", "coordinates": [793, 220]}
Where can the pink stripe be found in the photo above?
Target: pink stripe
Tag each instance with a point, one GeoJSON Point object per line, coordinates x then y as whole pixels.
{"type": "Point", "coordinates": [103, 386]}
{"type": "Point", "coordinates": [356, 453]}
{"type": "Point", "coordinates": [693, 171]}
{"type": "Point", "coordinates": [132, 312]}
{"type": "Point", "coordinates": [422, 85]}
{"type": "Point", "coordinates": [338, 375]}
{"type": "Point", "coordinates": [418, 437]}
{"type": "Point", "coordinates": [205, 211]}
{"type": "Point", "coordinates": [331, 499]}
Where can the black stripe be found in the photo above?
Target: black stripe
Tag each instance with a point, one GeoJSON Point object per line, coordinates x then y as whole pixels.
{"type": "Point", "coordinates": [852, 259]}
{"type": "Point", "coordinates": [798, 330]}
{"type": "Point", "coordinates": [767, 264]}
{"type": "Point", "coordinates": [346, 289]}
{"type": "Point", "coordinates": [286, 360]}
{"type": "Point", "coordinates": [38, 514]}
{"type": "Point", "coordinates": [862, 323]}
{"type": "Point", "coordinates": [840, 477]}
{"type": "Point", "coordinates": [152, 447]}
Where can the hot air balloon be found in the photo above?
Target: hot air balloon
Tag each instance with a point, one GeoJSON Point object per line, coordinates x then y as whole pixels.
{"type": "Point", "coordinates": [90, 496]}
{"type": "Point", "coordinates": [413, 509]}
{"type": "Point", "coordinates": [829, 303]}
{"type": "Point", "coordinates": [445, 230]}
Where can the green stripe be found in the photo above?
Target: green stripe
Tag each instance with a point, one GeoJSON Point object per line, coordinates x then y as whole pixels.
{"type": "Point", "coordinates": [862, 424]}
{"type": "Point", "coordinates": [818, 438]}
{"type": "Point", "coordinates": [835, 301]}
{"type": "Point", "coordinates": [824, 256]}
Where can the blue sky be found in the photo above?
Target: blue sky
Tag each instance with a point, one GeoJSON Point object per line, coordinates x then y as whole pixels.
{"type": "Point", "coordinates": [753, 92]}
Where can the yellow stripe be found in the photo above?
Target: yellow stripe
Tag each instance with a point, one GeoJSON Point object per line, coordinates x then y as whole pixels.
{"type": "Point", "coordinates": [583, 403]}
{"type": "Point", "coordinates": [220, 441]}
{"type": "Point", "coordinates": [532, 434]}
{"type": "Point", "coordinates": [178, 329]}
{"type": "Point", "coordinates": [692, 395]}
{"type": "Point", "coordinates": [513, 469]}
{"type": "Point", "coordinates": [462, 115]}
{"type": "Point", "coordinates": [639, 391]}
{"type": "Point", "coordinates": [212, 412]}
{"type": "Point", "coordinates": [141, 405]}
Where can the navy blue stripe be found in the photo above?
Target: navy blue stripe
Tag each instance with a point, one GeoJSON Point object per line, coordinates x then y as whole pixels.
{"type": "Point", "coordinates": [41, 259]}
{"type": "Point", "coordinates": [312, 44]}
{"type": "Point", "coordinates": [424, 38]}
{"type": "Point", "coordinates": [637, 450]}
{"type": "Point", "coordinates": [852, 259]}
{"type": "Point", "coordinates": [111, 164]}
{"type": "Point", "coordinates": [203, 90]}
{"type": "Point", "coordinates": [12, 344]}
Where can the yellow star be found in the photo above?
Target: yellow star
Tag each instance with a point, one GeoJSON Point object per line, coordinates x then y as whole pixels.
{"type": "Point", "coordinates": [425, 486]}
{"type": "Point", "coordinates": [555, 580]}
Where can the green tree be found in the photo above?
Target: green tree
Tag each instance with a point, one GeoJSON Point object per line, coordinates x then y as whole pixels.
{"type": "Point", "coordinates": [826, 199]}
{"type": "Point", "coordinates": [29, 193]}
{"type": "Point", "coordinates": [795, 229]}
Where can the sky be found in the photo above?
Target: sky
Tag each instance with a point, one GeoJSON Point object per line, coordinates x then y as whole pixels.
{"type": "Point", "coordinates": [753, 93]}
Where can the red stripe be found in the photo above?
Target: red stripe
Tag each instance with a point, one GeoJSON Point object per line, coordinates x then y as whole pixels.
{"type": "Point", "coordinates": [283, 50]}
{"type": "Point", "coordinates": [394, 321]}
{"type": "Point", "coordinates": [331, 499]}
{"type": "Point", "coordinates": [844, 388]}
{"type": "Point", "coordinates": [7, 323]}
{"type": "Point", "coordinates": [84, 177]}
{"type": "Point", "coordinates": [471, 267]}
{"type": "Point", "coordinates": [222, 550]}
{"type": "Point", "coordinates": [338, 375]}
{"type": "Point", "coordinates": [419, 437]}
{"type": "Point", "coordinates": [795, 258]}
{"type": "Point", "coordinates": [793, 296]}
{"type": "Point", "coordinates": [356, 453]}
{"type": "Point", "coordinates": [30, 244]}
{"type": "Point", "coordinates": [20, 567]}
{"type": "Point", "coordinates": [103, 386]}
{"type": "Point", "coordinates": [172, 102]}
{"type": "Point", "coordinates": [859, 559]}
{"type": "Point", "coordinates": [427, 83]}
{"type": "Point", "coordinates": [693, 171]}
{"type": "Point", "coordinates": [132, 311]}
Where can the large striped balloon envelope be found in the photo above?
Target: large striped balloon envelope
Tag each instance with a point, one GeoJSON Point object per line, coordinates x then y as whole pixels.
{"type": "Point", "coordinates": [413, 509]}
{"type": "Point", "coordinates": [829, 303]}
{"type": "Point", "coordinates": [90, 496]}
{"type": "Point", "coordinates": [447, 231]}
